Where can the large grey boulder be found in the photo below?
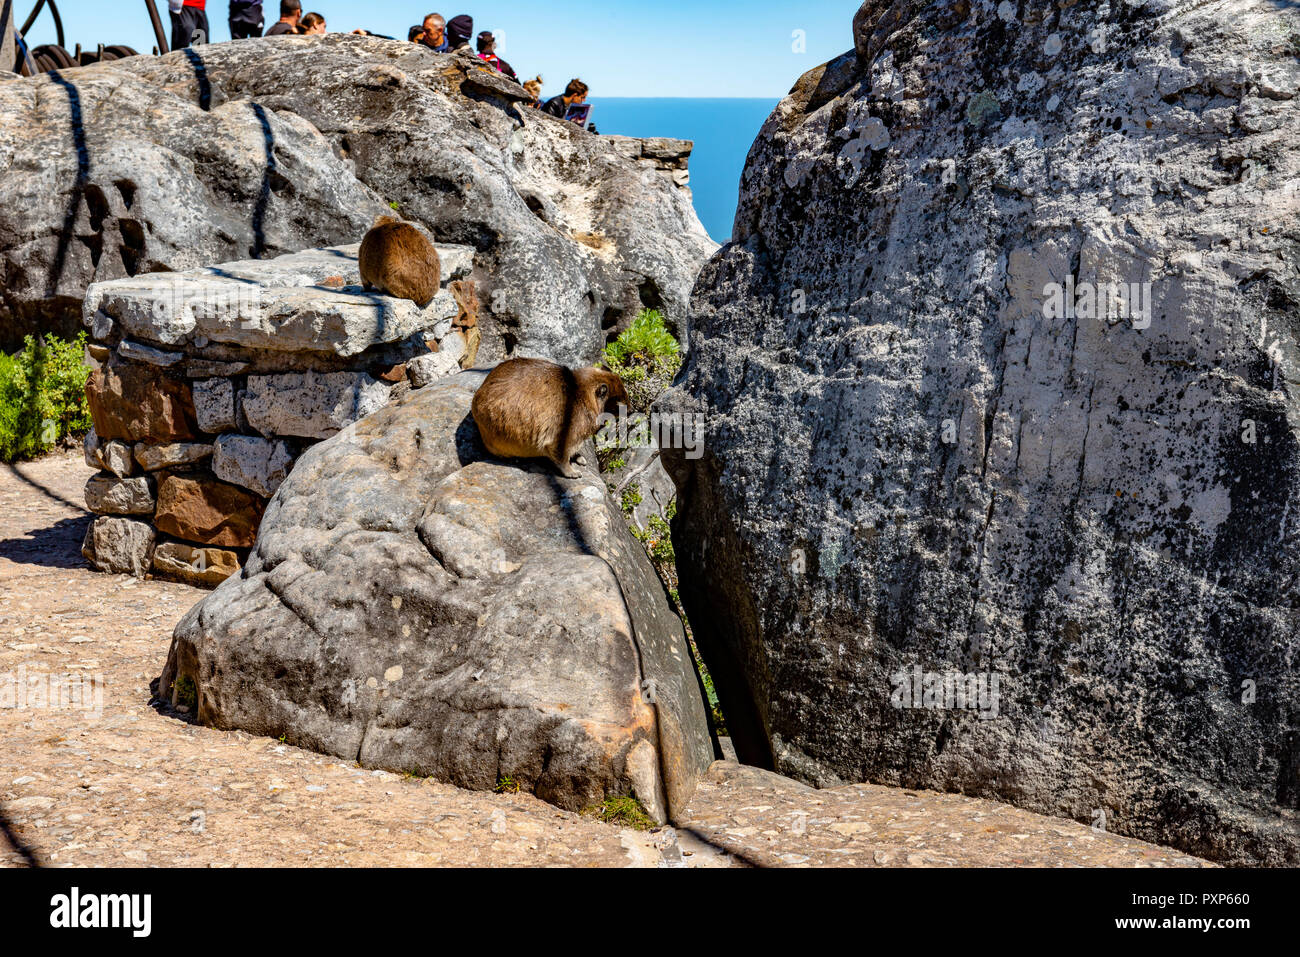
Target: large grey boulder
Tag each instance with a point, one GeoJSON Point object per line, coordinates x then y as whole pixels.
{"type": "Point", "coordinates": [263, 147]}
{"type": "Point", "coordinates": [919, 469]}
{"type": "Point", "coordinates": [105, 175]}
{"type": "Point", "coordinates": [413, 605]}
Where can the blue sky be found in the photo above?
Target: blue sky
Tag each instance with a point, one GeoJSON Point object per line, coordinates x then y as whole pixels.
{"type": "Point", "coordinates": [719, 48]}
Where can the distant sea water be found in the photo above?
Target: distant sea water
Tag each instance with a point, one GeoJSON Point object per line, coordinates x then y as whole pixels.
{"type": "Point", "coordinates": [723, 131]}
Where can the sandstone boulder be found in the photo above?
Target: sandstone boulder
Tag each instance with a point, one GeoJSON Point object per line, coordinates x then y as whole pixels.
{"type": "Point", "coordinates": [112, 456]}
{"type": "Point", "coordinates": [310, 404]}
{"type": "Point", "coordinates": [431, 366]}
{"type": "Point", "coordinates": [972, 516]}
{"type": "Point", "coordinates": [154, 457]}
{"type": "Point", "coordinates": [214, 405]}
{"type": "Point", "coordinates": [412, 604]}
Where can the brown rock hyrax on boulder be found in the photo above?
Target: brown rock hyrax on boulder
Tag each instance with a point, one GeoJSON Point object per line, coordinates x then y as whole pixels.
{"type": "Point", "coordinates": [531, 408]}
{"type": "Point", "coordinates": [398, 260]}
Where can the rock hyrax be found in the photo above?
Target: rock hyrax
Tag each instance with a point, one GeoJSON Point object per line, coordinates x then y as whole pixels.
{"type": "Point", "coordinates": [398, 260]}
{"type": "Point", "coordinates": [531, 408]}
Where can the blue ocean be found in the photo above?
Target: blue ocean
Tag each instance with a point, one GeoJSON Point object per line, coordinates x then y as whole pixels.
{"type": "Point", "coordinates": [723, 131]}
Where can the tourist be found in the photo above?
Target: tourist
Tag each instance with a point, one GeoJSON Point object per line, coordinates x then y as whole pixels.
{"type": "Point", "coordinates": [290, 17]}
{"type": "Point", "coordinates": [459, 30]}
{"type": "Point", "coordinates": [487, 44]}
{"type": "Point", "coordinates": [189, 23]}
{"type": "Point", "coordinates": [415, 35]}
{"type": "Point", "coordinates": [575, 94]}
{"type": "Point", "coordinates": [313, 24]}
{"type": "Point", "coordinates": [435, 33]}
{"type": "Point", "coordinates": [534, 89]}
{"type": "Point", "coordinates": [245, 19]}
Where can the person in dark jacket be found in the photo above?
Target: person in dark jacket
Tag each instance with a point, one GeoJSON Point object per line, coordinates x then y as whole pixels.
{"type": "Point", "coordinates": [459, 30]}
{"type": "Point", "coordinates": [487, 50]}
{"type": "Point", "coordinates": [290, 17]}
{"type": "Point", "coordinates": [575, 92]}
{"type": "Point", "coordinates": [245, 19]}
{"type": "Point", "coordinates": [189, 24]}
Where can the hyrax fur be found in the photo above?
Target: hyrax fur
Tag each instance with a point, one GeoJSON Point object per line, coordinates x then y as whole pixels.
{"type": "Point", "coordinates": [398, 260]}
{"type": "Point", "coordinates": [532, 408]}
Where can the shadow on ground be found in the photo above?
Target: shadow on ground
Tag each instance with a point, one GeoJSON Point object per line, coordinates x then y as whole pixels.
{"type": "Point", "coordinates": [54, 546]}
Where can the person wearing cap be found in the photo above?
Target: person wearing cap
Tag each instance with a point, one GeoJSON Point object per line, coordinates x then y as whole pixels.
{"type": "Point", "coordinates": [487, 44]}
{"type": "Point", "coordinates": [459, 30]}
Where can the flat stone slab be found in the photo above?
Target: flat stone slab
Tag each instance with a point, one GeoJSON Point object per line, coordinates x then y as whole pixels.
{"type": "Point", "coordinates": [311, 301]}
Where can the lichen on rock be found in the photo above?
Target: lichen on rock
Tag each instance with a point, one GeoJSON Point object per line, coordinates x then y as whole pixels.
{"type": "Point", "coordinates": [1007, 405]}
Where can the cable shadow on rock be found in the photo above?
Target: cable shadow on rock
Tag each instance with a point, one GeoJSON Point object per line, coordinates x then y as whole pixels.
{"type": "Point", "coordinates": [269, 178]}
{"type": "Point", "coordinates": [76, 121]}
{"type": "Point", "coordinates": [201, 77]}
{"type": "Point", "coordinates": [21, 847]}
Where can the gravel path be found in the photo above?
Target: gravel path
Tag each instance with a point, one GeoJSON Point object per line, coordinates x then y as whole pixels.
{"type": "Point", "coordinates": [114, 782]}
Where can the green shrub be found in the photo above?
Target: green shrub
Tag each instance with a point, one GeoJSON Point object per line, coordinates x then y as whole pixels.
{"type": "Point", "coordinates": [646, 342]}
{"type": "Point", "coordinates": [710, 693]}
{"type": "Point", "coordinates": [42, 396]}
{"type": "Point", "coordinates": [657, 539]}
{"type": "Point", "coordinates": [646, 357]}
{"type": "Point", "coordinates": [622, 812]}
{"type": "Point", "coordinates": [187, 694]}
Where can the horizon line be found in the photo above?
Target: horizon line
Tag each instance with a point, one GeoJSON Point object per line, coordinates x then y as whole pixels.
{"type": "Point", "coordinates": [608, 97]}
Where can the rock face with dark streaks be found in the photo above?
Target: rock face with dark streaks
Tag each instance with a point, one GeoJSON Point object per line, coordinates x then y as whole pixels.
{"type": "Point", "coordinates": [1001, 490]}
{"type": "Point", "coordinates": [265, 147]}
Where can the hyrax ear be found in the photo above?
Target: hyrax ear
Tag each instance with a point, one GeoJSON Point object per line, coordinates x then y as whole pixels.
{"type": "Point", "coordinates": [602, 391]}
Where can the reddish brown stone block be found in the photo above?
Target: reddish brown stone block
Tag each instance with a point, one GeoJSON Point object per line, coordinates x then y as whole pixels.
{"type": "Point", "coordinates": [140, 403]}
{"type": "Point", "coordinates": [207, 511]}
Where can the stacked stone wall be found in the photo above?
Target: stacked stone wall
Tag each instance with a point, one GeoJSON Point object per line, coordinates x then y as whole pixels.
{"type": "Point", "coordinates": [206, 386]}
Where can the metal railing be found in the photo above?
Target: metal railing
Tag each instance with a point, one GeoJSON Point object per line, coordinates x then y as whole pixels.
{"type": "Point", "coordinates": [20, 57]}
